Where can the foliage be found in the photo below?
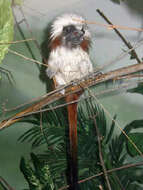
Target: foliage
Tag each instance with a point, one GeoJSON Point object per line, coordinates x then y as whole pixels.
{"type": "Point", "coordinates": [40, 179]}
{"type": "Point", "coordinates": [6, 26]}
{"type": "Point", "coordinates": [117, 1]}
{"type": "Point", "coordinates": [138, 89]}
{"type": "Point", "coordinates": [52, 133]}
{"type": "Point", "coordinates": [137, 139]}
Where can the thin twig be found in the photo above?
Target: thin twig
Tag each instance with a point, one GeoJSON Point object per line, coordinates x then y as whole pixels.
{"type": "Point", "coordinates": [23, 36]}
{"type": "Point", "coordinates": [117, 124]}
{"type": "Point", "coordinates": [25, 104]}
{"type": "Point", "coordinates": [5, 183]}
{"type": "Point", "coordinates": [3, 109]}
{"type": "Point", "coordinates": [101, 156]}
{"type": "Point", "coordinates": [27, 58]}
{"type": "Point", "coordinates": [108, 171]}
{"type": "Point", "coordinates": [29, 29]}
{"type": "Point", "coordinates": [110, 26]}
{"type": "Point", "coordinates": [121, 56]}
{"type": "Point", "coordinates": [133, 52]}
{"type": "Point", "coordinates": [119, 182]}
{"type": "Point", "coordinates": [17, 41]}
{"type": "Point", "coordinates": [8, 74]}
{"type": "Point", "coordinates": [34, 10]}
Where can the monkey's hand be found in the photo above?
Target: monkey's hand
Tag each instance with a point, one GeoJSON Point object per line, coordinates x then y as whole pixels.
{"type": "Point", "coordinates": [51, 72]}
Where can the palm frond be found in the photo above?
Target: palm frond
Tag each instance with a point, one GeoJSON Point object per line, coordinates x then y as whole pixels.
{"type": "Point", "coordinates": [52, 133]}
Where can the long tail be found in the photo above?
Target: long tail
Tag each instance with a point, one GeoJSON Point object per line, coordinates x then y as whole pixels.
{"type": "Point", "coordinates": [72, 119]}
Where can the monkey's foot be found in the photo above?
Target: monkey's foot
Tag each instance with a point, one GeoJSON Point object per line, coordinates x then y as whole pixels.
{"type": "Point", "coordinates": [59, 87]}
{"type": "Point", "coordinates": [55, 82]}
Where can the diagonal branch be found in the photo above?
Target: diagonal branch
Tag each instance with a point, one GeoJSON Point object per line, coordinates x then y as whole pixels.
{"type": "Point", "coordinates": [6, 185]}
{"type": "Point", "coordinates": [92, 80]}
{"type": "Point", "coordinates": [101, 156]}
{"type": "Point", "coordinates": [108, 171]}
{"type": "Point", "coordinates": [133, 52]}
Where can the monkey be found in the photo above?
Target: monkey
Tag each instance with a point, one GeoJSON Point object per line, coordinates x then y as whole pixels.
{"type": "Point", "coordinates": [70, 42]}
{"type": "Point", "coordinates": [69, 60]}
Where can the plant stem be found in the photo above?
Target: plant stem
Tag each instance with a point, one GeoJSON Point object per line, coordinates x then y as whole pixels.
{"type": "Point", "coordinates": [108, 171]}
{"type": "Point", "coordinates": [100, 155]}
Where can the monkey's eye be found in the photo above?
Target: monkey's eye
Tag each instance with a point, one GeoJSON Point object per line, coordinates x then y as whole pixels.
{"type": "Point", "coordinates": [83, 30]}
{"type": "Point", "coordinates": [68, 29]}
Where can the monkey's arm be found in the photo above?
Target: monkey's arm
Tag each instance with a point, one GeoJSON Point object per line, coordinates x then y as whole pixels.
{"type": "Point", "coordinates": [51, 72]}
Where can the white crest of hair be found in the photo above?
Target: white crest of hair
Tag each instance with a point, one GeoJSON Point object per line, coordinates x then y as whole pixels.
{"type": "Point", "coordinates": [65, 20]}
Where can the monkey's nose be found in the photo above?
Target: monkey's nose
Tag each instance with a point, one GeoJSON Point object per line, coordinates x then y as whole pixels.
{"type": "Point", "coordinates": [78, 33]}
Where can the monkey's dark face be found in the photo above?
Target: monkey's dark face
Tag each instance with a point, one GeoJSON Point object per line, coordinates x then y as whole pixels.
{"type": "Point", "coordinates": [72, 36]}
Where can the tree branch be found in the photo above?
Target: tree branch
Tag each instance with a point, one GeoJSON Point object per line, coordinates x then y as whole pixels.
{"type": "Point", "coordinates": [133, 52]}
{"type": "Point", "coordinates": [100, 155]}
{"type": "Point", "coordinates": [92, 80]}
{"type": "Point", "coordinates": [108, 171]}
{"type": "Point", "coordinates": [23, 36]}
{"type": "Point", "coordinates": [8, 187]}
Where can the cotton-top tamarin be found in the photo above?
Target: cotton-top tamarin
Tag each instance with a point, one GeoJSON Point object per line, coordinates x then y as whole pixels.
{"type": "Point", "coordinates": [70, 41]}
{"type": "Point", "coordinates": [69, 60]}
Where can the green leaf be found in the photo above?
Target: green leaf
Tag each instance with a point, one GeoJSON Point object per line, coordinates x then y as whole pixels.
{"type": "Point", "coordinates": [112, 127]}
{"type": "Point", "coordinates": [138, 89]}
{"type": "Point", "coordinates": [116, 1]}
{"type": "Point", "coordinates": [42, 172]}
{"type": "Point", "coordinates": [136, 124]}
{"type": "Point", "coordinates": [29, 175]}
{"type": "Point", "coordinates": [6, 26]}
{"type": "Point", "coordinates": [50, 166]}
{"type": "Point", "coordinates": [137, 139]}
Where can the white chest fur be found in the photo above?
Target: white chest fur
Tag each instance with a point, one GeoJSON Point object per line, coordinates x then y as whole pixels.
{"type": "Point", "coordinates": [67, 65]}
